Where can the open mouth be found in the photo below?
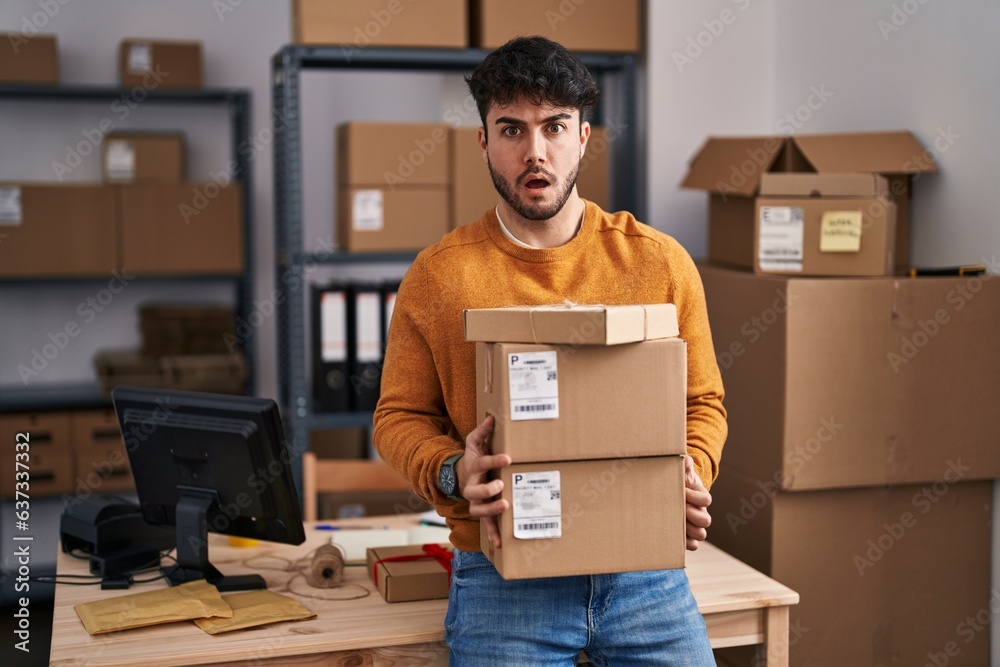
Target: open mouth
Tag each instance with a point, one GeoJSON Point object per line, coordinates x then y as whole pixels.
{"type": "Point", "coordinates": [535, 183]}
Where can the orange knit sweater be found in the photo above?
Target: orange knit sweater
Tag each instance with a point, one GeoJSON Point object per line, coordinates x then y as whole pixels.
{"type": "Point", "coordinates": [428, 395]}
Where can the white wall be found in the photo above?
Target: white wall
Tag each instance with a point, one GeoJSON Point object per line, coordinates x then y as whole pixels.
{"type": "Point", "coordinates": [925, 66]}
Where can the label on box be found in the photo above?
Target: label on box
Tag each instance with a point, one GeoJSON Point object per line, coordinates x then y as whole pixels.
{"type": "Point", "coordinates": [780, 238]}
{"type": "Point", "coordinates": [534, 385]}
{"type": "Point", "coordinates": [10, 206]}
{"type": "Point", "coordinates": [840, 231]}
{"type": "Point", "coordinates": [140, 58]}
{"type": "Point", "coordinates": [537, 505]}
{"type": "Point", "coordinates": [366, 213]}
{"type": "Point", "coordinates": [367, 324]}
{"type": "Point", "coordinates": [333, 311]}
{"type": "Point", "coordinates": [119, 161]}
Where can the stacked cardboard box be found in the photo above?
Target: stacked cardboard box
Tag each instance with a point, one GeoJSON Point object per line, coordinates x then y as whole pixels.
{"type": "Point", "coordinates": [392, 185]}
{"type": "Point", "coordinates": [222, 373]}
{"type": "Point", "coordinates": [185, 329]}
{"type": "Point", "coordinates": [734, 171]}
{"type": "Point", "coordinates": [358, 24]}
{"type": "Point", "coordinates": [858, 454]}
{"type": "Point", "coordinates": [564, 400]}
{"type": "Point", "coordinates": [595, 25]}
{"type": "Point", "coordinates": [143, 157]}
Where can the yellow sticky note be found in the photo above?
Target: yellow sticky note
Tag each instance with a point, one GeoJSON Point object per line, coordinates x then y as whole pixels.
{"type": "Point", "coordinates": [840, 231]}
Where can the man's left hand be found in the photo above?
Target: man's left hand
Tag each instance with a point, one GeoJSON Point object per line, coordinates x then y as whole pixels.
{"type": "Point", "coordinates": [698, 499]}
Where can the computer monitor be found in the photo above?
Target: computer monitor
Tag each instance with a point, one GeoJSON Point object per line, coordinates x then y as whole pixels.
{"type": "Point", "coordinates": [209, 462]}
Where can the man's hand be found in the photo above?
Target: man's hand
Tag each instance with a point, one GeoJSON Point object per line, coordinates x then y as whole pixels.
{"type": "Point", "coordinates": [472, 470]}
{"type": "Point", "coordinates": [698, 499]}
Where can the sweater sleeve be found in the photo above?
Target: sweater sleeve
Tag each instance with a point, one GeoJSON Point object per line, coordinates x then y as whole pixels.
{"type": "Point", "coordinates": [411, 426]}
{"type": "Point", "coordinates": [706, 416]}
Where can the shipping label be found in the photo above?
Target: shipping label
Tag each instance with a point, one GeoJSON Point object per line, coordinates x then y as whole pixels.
{"type": "Point", "coordinates": [367, 211]}
{"type": "Point", "coordinates": [780, 239]}
{"type": "Point", "coordinates": [534, 385]}
{"type": "Point", "coordinates": [10, 205]}
{"type": "Point", "coordinates": [537, 505]}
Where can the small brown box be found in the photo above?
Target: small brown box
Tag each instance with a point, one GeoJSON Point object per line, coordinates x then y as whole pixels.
{"type": "Point", "coordinates": [409, 580]}
{"type": "Point", "coordinates": [184, 228]}
{"type": "Point", "coordinates": [57, 230]}
{"type": "Point", "coordinates": [219, 373]}
{"type": "Point", "coordinates": [392, 155]}
{"type": "Point", "coordinates": [593, 527]}
{"type": "Point", "coordinates": [29, 60]}
{"type": "Point", "coordinates": [102, 464]}
{"type": "Point", "coordinates": [363, 23]}
{"type": "Point", "coordinates": [160, 64]}
{"type": "Point", "coordinates": [399, 220]}
{"type": "Point", "coordinates": [143, 157]}
{"type": "Point", "coordinates": [45, 440]}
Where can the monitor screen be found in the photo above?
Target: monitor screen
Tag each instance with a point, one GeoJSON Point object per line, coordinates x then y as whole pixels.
{"type": "Point", "coordinates": [209, 463]}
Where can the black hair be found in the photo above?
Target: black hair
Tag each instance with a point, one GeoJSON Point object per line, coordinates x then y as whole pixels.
{"type": "Point", "coordinates": [534, 69]}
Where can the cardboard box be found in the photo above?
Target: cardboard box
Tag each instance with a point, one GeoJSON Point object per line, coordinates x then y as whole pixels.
{"type": "Point", "coordinates": [185, 329]}
{"type": "Point", "coordinates": [824, 225]}
{"type": "Point", "coordinates": [571, 325]}
{"type": "Point", "coordinates": [472, 190]}
{"type": "Point", "coordinates": [561, 403]}
{"type": "Point", "coordinates": [886, 576]}
{"type": "Point", "coordinates": [730, 169]}
{"type": "Point", "coordinates": [46, 438]}
{"type": "Point", "coordinates": [856, 382]}
{"type": "Point", "coordinates": [57, 230]}
{"type": "Point", "coordinates": [115, 367]}
{"type": "Point", "coordinates": [351, 505]}
{"type": "Point", "coordinates": [363, 23]}
{"type": "Point", "coordinates": [102, 464]}
{"type": "Point", "coordinates": [160, 64]}
{"type": "Point", "coordinates": [339, 443]}
{"type": "Point", "coordinates": [219, 373]}
{"type": "Point", "coordinates": [143, 157]}
{"type": "Point", "coordinates": [392, 155]}
{"type": "Point", "coordinates": [186, 228]}
{"type": "Point", "coordinates": [384, 220]}
{"type": "Point", "coordinates": [29, 60]}
{"type": "Point", "coordinates": [595, 25]}
{"type": "Point", "coordinates": [616, 515]}
{"type": "Point", "coordinates": [408, 580]}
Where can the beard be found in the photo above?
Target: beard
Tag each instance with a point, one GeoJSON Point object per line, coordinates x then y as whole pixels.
{"type": "Point", "coordinates": [527, 209]}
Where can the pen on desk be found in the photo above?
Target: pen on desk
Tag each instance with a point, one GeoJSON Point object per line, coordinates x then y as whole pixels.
{"type": "Point", "coordinates": [326, 526]}
{"type": "Point", "coordinates": [967, 270]}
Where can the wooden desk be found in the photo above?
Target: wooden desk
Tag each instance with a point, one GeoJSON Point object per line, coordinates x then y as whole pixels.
{"type": "Point", "coordinates": [741, 606]}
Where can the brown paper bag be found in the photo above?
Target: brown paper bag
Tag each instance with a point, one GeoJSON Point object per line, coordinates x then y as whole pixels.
{"type": "Point", "coordinates": [195, 599]}
{"type": "Point", "coordinates": [255, 608]}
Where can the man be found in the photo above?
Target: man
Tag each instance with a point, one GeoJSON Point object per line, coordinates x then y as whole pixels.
{"type": "Point", "coordinates": [542, 244]}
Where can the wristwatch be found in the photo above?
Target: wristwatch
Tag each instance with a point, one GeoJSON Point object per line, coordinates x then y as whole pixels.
{"type": "Point", "coordinates": [448, 479]}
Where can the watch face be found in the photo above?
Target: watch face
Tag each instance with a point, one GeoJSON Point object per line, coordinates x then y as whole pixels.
{"type": "Point", "coordinates": [447, 479]}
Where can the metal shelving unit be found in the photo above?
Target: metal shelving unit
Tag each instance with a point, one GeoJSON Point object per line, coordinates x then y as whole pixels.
{"type": "Point", "coordinates": [290, 258]}
{"type": "Point", "coordinates": [85, 395]}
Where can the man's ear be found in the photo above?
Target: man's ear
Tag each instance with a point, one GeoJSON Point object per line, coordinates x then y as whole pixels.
{"type": "Point", "coordinates": [482, 141]}
{"type": "Point", "coordinates": [584, 136]}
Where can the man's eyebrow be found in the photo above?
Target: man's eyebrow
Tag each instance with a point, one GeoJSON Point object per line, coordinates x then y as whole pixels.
{"type": "Point", "coordinates": [508, 120]}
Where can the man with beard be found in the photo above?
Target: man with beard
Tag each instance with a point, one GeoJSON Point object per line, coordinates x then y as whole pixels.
{"type": "Point", "coordinates": [542, 244]}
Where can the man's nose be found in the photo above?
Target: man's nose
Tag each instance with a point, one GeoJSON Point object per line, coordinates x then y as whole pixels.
{"type": "Point", "coordinates": [535, 149]}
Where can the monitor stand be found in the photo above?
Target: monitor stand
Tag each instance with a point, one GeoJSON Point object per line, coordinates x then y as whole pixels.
{"type": "Point", "coordinates": [192, 546]}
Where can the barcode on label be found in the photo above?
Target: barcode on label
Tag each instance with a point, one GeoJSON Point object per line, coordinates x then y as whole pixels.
{"type": "Point", "coordinates": [540, 407]}
{"type": "Point", "coordinates": [538, 526]}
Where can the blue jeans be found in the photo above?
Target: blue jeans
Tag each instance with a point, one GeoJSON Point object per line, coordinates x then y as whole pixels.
{"type": "Point", "coordinates": [633, 618]}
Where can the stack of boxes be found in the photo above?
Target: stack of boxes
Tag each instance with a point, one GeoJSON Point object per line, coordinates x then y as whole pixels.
{"type": "Point", "coordinates": [858, 461]}
{"type": "Point", "coordinates": [611, 26]}
{"type": "Point", "coordinates": [183, 347]}
{"type": "Point", "coordinates": [145, 219]}
{"type": "Point", "coordinates": [590, 404]}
